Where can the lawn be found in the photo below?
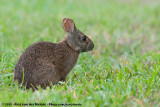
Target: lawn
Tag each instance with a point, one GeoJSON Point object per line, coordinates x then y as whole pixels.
{"type": "Point", "coordinates": [122, 70]}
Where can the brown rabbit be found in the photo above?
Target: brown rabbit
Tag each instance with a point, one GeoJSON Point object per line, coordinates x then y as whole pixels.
{"type": "Point", "coordinates": [43, 63]}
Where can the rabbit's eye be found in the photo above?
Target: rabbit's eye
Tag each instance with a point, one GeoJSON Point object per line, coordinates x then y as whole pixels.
{"type": "Point", "coordinates": [83, 38]}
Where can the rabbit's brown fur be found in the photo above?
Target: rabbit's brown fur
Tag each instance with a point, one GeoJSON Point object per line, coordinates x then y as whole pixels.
{"type": "Point", "coordinates": [43, 63]}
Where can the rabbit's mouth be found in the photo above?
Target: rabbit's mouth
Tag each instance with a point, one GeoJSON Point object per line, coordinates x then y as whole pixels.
{"type": "Point", "coordinates": [90, 47]}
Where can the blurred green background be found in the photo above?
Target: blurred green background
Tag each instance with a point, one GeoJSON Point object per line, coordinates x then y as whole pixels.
{"type": "Point", "coordinates": [116, 26]}
{"type": "Point", "coordinates": [122, 70]}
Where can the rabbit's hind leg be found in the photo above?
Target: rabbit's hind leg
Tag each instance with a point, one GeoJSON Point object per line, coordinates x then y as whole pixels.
{"type": "Point", "coordinates": [44, 75]}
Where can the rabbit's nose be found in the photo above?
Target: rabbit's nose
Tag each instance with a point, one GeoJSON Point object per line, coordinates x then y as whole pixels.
{"type": "Point", "coordinates": [91, 47]}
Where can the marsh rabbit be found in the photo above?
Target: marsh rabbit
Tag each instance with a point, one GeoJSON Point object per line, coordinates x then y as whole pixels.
{"type": "Point", "coordinates": [43, 63]}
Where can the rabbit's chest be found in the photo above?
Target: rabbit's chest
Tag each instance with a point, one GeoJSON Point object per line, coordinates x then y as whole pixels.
{"type": "Point", "coordinates": [64, 59]}
{"type": "Point", "coordinates": [71, 62]}
{"type": "Point", "coordinates": [67, 64]}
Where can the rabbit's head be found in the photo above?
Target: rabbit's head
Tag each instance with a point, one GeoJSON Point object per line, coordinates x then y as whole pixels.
{"type": "Point", "coordinates": [75, 38]}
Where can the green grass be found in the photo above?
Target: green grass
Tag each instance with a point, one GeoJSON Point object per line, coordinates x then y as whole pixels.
{"type": "Point", "coordinates": [122, 70]}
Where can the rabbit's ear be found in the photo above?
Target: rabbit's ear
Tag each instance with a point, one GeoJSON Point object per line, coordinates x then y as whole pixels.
{"type": "Point", "coordinates": [68, 25]}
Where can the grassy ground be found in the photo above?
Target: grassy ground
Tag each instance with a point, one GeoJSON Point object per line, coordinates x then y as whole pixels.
{"type": "Point", "coordinates": [122, 70]}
